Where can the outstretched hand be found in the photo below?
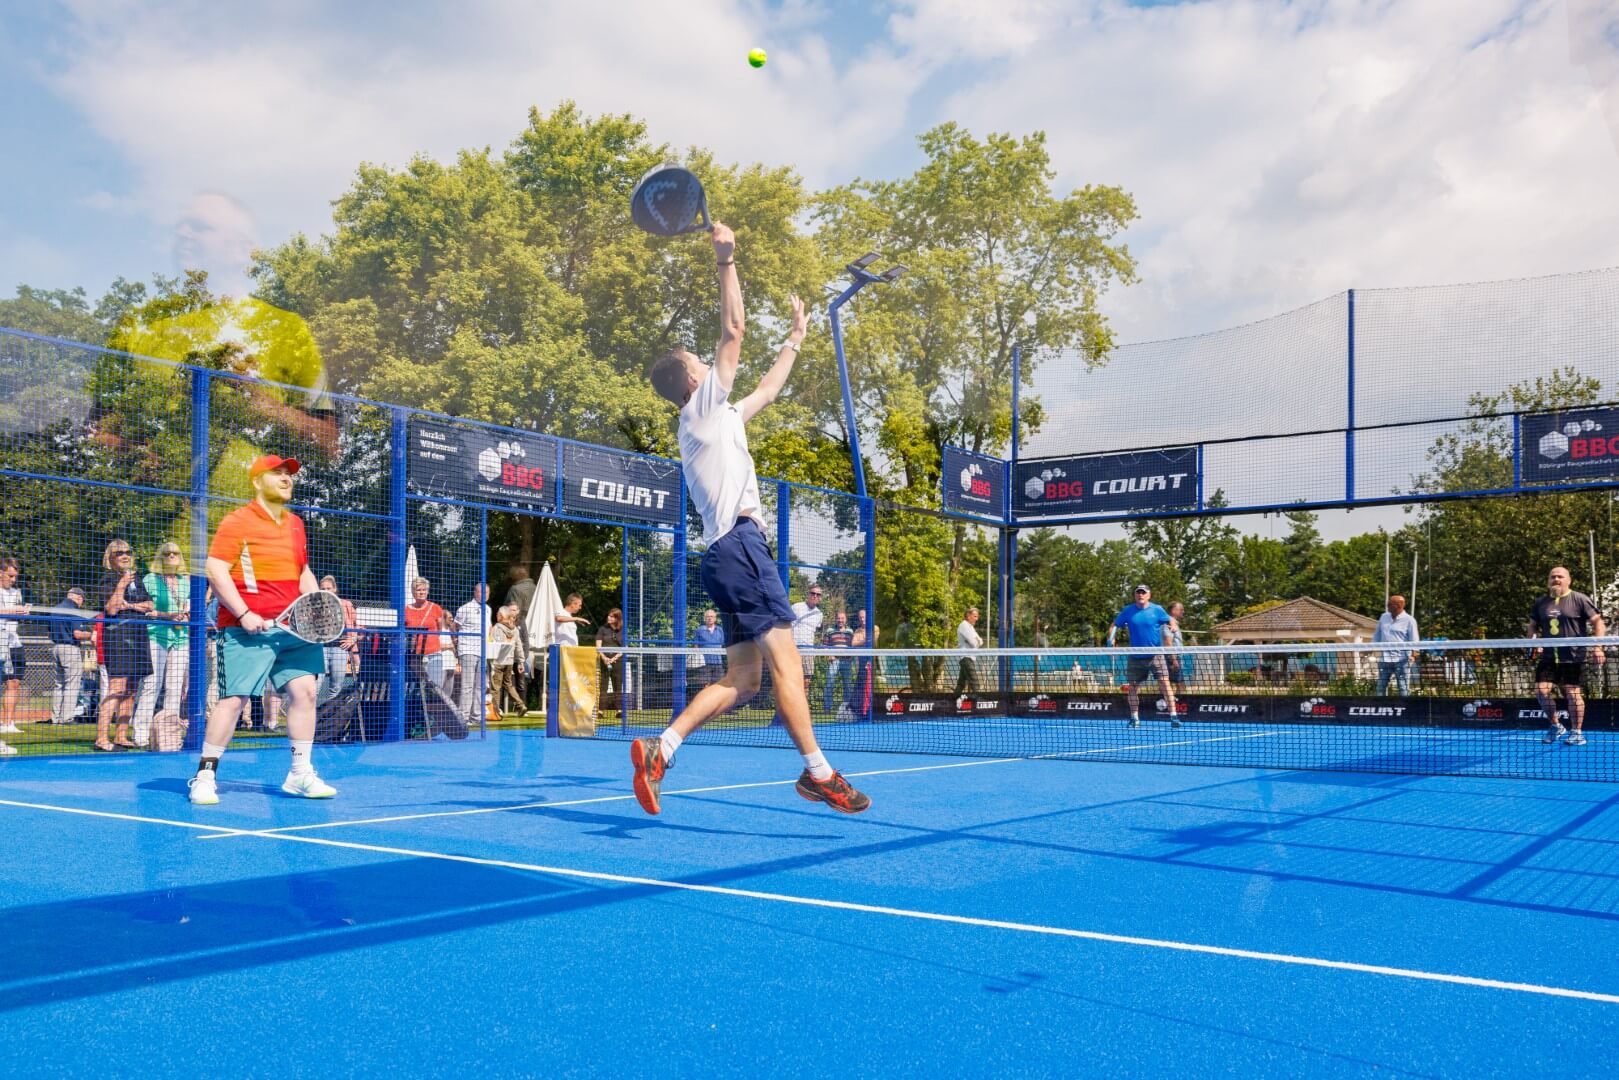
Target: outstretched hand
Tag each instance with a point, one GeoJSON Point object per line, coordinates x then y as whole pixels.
{"type": "Point", "coordinates": [800, 319]}
{"type": "Point", "coordinates": [724, 242]}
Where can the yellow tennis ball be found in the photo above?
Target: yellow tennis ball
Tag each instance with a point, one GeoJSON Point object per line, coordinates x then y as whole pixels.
{"type": "Point", "coordinates": [756, 57]}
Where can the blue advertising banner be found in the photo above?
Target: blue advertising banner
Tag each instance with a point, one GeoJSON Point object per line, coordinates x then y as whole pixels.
{"type": "Point", "coordinates": [974, 483]}
{"type": "Point", "coordinates": [472, 464]}
{"type": "Point", "coordinates": [1582, 444]}
{"type": "Point", "coordinates": [1107, 483]}
{"type": "Point", "coordinates": [612, 483]}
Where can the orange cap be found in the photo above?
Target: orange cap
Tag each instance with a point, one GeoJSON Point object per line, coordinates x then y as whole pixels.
{"type": "Point", "coordinates": [271, 461]}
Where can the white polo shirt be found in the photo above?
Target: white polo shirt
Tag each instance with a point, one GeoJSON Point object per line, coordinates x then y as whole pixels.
{"type": "Point", "coordinates": [806, 623]}
{"type": "Point", "coordinates": [715, 458]}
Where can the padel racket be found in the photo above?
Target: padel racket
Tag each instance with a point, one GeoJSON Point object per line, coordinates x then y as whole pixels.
{"type": "Point", "coordinates": [317, 617]}
{"type": "Point", "coordinates": [669, 201]}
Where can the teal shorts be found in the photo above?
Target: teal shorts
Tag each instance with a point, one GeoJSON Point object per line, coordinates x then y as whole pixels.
{"type": "Point", "coordinates": [248, 661]}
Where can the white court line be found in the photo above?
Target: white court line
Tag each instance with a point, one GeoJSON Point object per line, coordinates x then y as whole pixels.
{"type": "Point", "coordinates": [893, 912]}
{"type": "Point", "coordinates": [224, 833]}
{"type": "Point", "coordinates": [966, 920]}
{"type": "Point", "coordinates": [109, 814]}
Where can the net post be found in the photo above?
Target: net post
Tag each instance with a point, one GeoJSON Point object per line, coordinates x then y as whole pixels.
{"type": "Point", "coordinates": [398, 446]}
{"type": "Point", "coordinates": [197, 639]}
{"type": "Point", "coordinates": [553, 684]}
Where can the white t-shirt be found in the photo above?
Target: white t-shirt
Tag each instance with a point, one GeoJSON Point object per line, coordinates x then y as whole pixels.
{"type": "Point", "coordinates": [967, 637]}
{"type": "Point", "coordinates": [474, 621]}
{"type": "Point", "coordinates": [567, 632]}
{"type": "Point", "coordinates": [11, 597]}
{"type": "Point", "coordinates": [714, 456]}
{"type": "Point", "coordinates": [806, 623]}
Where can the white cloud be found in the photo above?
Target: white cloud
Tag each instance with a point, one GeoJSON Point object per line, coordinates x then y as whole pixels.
{"type": "Point", "coordinates": [1278, 152]}
{"type": "Point", "coordinates": [1281, 153]}
{"type": "Point", "coordinates": [276, 115]}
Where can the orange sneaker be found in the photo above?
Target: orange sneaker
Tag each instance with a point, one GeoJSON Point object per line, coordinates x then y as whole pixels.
{"type": "Point", "coordinates": [835, 792]}
{"type": "Point", "coordinates": [647, 756]}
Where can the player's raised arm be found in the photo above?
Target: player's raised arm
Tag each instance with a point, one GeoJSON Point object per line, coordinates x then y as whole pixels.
{"type": "Point", "coordinates": [776, 377]}
{"type": "Point", "coordinates": [732, 318]}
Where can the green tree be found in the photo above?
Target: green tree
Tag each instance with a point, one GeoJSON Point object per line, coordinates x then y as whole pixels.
{"type": "Point", "coordinates": [1188, 545]}
{"type": "Point", "coordinates": [1247, 572]}
{"type": "Point", "coordinates": [1077, 587]}
{"type": "Point", "coordinates": [1489, 557]}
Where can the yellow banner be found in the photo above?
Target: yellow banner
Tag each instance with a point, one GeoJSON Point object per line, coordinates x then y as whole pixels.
{"type": "Point", "coordinates": [576, 711]}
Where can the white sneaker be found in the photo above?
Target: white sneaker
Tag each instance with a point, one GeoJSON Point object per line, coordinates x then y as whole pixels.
{"type": "Point", "coordinates": [1553, 733]}
{"type": "Point", "coordinates": [204, 789]}
{"type": "Point", "coordinates": [6, 749]}
{"type": "Point", "coordinates": [308, 785]}
{"type": "Point", "coordinates": [10, 729]}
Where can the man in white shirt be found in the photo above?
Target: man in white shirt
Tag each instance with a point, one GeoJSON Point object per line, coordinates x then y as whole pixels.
{"type": "Point", "coordinates": [807, 616]}
{"type": "Point", "coordinates": [1394, 665]}
{"type": "Point", "coordinates": [472, 622]}
{"type": "Point", "coordinates": [738, 569]}
{"type": "Point", "coordinates": [13, 658]}
{"type": "Point", "coordinates": [967, 638]}
{"type": "Point", "coordinates": [568, 620]}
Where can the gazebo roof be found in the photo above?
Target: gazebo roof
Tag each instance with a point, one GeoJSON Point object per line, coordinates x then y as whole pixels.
{"type": "Point", "coordinates": [1297, 620]}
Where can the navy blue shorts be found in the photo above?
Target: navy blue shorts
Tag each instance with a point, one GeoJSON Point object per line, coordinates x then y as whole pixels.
{"type": "Point", "coordinates": [741, 577]}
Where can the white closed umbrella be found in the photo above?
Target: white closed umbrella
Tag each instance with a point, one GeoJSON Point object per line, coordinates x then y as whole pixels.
{"type": "Point", "coordinates": [541, 625]}
{"type": "Point", "coordinates": [411, 573]}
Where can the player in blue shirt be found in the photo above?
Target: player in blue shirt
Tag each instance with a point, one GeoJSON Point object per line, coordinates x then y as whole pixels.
{"type": "Point", "coordinates": [1148, 625]}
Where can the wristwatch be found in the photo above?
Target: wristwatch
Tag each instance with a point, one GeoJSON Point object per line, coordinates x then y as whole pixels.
{"type": "Point", "coordinates": [793, 345]}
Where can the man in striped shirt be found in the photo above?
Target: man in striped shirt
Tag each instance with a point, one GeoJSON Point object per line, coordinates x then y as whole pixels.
{"type": "Point", "coordinates": [258, 563]}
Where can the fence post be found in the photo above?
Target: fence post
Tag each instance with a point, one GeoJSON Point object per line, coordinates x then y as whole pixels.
{"type": "Point", "coordinates": [484, 616]}
{"type": "Point", "coordinates": [868, 524]}
{"type": "Point", "coordinates": [553, 690]}
{"type": "Point", "coordinates": [197, 636]}
{"type": "Point", "coordinates": [1349, 430]}
{"type": "Point", "coordinates": [399, 443]}
{"type": "Point", "coordinates": [784, 533]}
{"type": "Point", "coordinates": [678, 681]}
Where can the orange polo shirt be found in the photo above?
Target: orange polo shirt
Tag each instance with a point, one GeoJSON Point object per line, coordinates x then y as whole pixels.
{"type": "Point", "coordinates": [267, 559]}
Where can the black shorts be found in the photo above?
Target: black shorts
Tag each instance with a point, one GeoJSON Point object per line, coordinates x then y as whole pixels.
{"type": "Point", "coordinates": [1564, 673]}
{"type": "Point", "coordinates": [1138, 669]}
{"type": "Point", "coordinates": [19, 663]}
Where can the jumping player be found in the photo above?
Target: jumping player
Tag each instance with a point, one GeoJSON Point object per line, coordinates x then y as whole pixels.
{"type": "Point", "coordinates": [738, 569]}
{"type": "Point", "coordinates": [258, 563]}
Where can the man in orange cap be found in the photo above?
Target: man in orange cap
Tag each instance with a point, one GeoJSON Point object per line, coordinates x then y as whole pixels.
{"type": "Point", "coordinates": [258, 563]}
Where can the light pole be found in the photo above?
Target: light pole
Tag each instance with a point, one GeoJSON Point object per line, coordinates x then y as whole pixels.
{"type": "Point", "coordinates": [861, 278]}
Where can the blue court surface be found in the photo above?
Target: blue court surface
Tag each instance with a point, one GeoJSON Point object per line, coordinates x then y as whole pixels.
{"type": "Point", "coordinates": [503, 907]}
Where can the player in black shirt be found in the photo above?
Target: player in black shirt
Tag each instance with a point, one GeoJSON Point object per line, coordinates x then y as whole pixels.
{"type": "Point", "coordinates": [1563, 613]}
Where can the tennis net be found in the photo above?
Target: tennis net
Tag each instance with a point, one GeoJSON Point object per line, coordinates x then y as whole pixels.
{"type": "Point", "coordinates": [1451, 708]}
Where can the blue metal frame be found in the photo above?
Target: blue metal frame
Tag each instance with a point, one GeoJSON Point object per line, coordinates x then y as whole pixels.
{"type": "Point", "coordinates": [1349, 429]}
{"type": "Point", "coordinates": [397, 545]}
{"type": "Point", "coordinates": [197, 637]}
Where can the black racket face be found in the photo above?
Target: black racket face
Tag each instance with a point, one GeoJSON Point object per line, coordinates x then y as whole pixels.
{"type": "Point", "coordinates": [668, 202]}
{"type": "Point", "coordinates": [317, 617]}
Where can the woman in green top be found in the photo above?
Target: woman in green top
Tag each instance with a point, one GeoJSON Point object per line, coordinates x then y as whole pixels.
{"type": "Point", "coordinates": [165, 689]}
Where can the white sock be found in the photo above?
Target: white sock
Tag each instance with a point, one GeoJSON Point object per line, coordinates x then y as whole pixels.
{"type": "Point", "coordinates": [209, 750]}
{"type": "Point", "coordinates": [300, 756]}
{"type": "Point", "coordinates": [817, 766]}
{"type": "Point", "coordinates": [670, 741]}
